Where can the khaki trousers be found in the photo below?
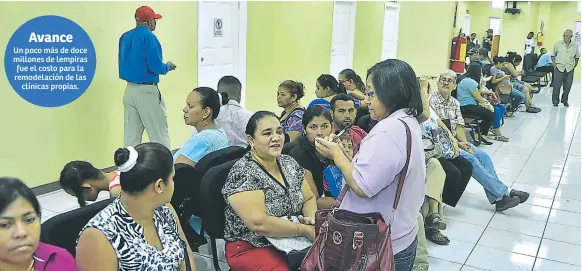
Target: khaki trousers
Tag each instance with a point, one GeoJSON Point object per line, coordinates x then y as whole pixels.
{"type": "Point", "coordinates": [144, 108]}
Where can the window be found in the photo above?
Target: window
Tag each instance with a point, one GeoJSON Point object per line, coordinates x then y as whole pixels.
{"type": "Point", "coordinates": [495, 24]}
{"type": "Point", "coordinates": [498, 4]}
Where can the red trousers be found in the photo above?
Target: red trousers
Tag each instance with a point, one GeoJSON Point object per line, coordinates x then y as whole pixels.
{"type": "Point", "coordinates": [242, 256]}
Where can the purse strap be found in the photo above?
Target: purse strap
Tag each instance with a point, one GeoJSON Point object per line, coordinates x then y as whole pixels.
{"type": "Point", "coordinates": [403, 172]}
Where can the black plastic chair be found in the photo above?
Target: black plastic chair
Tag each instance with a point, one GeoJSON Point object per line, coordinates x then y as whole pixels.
{"type": "Point", "coordinates": [530, 75]}
{"type": "Point", "coordinates": [63, 230]}
{"type": "Point", "coordinates": [186, 198]}
{"type": "Point", "coordinates": [213, 220]}
{"type": "Point", "coordinates": [288, 147]}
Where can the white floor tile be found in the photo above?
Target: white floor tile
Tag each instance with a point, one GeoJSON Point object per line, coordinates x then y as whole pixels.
{"type": "Point", "coordinates": [442, 265]}
{"type": "Point", "coordinates": [565, 218]}
{"type": "Point", "coordinates": [518, 225]}
{"type": "Point", "coordinates": [510, 241]}
{"type": "Point", "coordinates": [569, 191]}
{"type": "Point", "coordinates": [565, 204]}
{"type": "Point", "coordinates": [545, 178]}
{"type": "Point", "coordinates": [527, 211]}
{"type": "Point", "coordinates": [535, 190]}
{"type": "Point", "coordinates": [462, 231]}
{"type": "Point", "coordinates": [456, 251]}
{"type": "Point", "coordinates": [470, 215]}
{"type": "Point", "coordinates": [562, 233]}
{"type": "Point", "coordinates": [58, 201]}
{"type": "Point", "coordinates": [470, 268]}
{"type": "Point", "coordinates": [560, 252]}
{"type": "Point", "coordinates": [495, 259]}
{"type": "Point", "coordinates": [547, 265]}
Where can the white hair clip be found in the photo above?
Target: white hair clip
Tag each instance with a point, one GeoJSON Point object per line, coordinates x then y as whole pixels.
{"type": "Point", "coordinates": [130, 163]}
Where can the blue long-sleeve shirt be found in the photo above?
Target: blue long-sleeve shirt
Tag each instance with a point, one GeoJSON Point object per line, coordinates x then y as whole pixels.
{"type": "Point", "coordinates": [140, 56]}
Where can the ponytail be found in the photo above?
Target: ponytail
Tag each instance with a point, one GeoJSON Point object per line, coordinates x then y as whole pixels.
{"type": "Point", "coordinates": [75, 174]}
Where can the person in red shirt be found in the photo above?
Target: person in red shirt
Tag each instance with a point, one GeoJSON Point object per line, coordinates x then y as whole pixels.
{"type": "Point", "coordinates": [344, 114]}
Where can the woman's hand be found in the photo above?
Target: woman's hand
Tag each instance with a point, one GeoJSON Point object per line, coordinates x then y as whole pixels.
{"type": "Point", "coordinates": [424, 80]}
{"type": "Point", "coordinates": [306, 220]}
{"type": "Point", "coordinates": [465, 146]}
{"type": "Point", "coordinates": [327, 147]}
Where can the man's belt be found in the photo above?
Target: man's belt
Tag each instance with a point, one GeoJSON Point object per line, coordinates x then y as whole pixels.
{"type": "Point", "coordinates": [145, 83]}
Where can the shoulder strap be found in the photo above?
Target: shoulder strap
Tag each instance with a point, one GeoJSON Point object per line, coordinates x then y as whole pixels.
{"type": "Point", "coordinates": [404, 169]}
{"type": "Point", "coordinates": [345, 189]}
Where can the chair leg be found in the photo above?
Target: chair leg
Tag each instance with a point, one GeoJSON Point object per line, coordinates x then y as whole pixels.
{"type": "Point", "coordinates": [214, 254]}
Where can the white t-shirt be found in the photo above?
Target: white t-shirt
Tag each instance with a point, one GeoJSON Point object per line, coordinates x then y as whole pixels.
{"type": "Point", "coordinates": [529, 46]}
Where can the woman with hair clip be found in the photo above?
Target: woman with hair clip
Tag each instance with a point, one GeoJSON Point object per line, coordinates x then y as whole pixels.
{"type": "Point", "coordinates": [326, 87]}
{"type": "Point", "coordinates": [83, 181]}
{"type": "Point", "coordinates": [288, 96]}
{"type": "Point", "coordinates": [202, 108]}
{"type": "Point", "coordinates": [139, 230]}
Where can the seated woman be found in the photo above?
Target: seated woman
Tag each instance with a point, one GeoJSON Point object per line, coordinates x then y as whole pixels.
{"type": "Point", "coordinates": [262, 188]}
{"type": "Point", "coordinates": [326, 87]}
{"type": "Point", "coordinates": [497, 75]}
{"type": "Point", "coordinates": [432, 209]}
{"type": "Point", "coordinates": [447, 108]}
{"type": "Point", "coordinates": [20, 246]}
{"type": "Point", "coordinates": [317, 123]}
{"type": "Point", "coordinates": [83, 181]}
{"type": "Point", "coordinates": [288, 96]}
{"type": "Point", "coordinates": [202, 108]}
{"type": "Point", "coordinates": [469, 94]}
{"type": "Point", "coordinates": [513, 60]}
{"type": "Point", "coordinates": [373, 176]}
{"type": "Point", "coordinates": [139, 230]}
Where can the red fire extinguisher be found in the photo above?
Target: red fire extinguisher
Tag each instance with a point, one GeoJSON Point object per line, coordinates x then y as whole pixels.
{"type": "Point", "coordinates": [458, 54]}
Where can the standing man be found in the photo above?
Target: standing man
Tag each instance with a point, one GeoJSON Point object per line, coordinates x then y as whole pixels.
{"type": "Point", "coordinates": [565, 58]}
{"type": "Point", "coordinates": [343, 110]}
{"type": "Point", "coordinates": [140, 64]}
{"type": "Point", "coordinates": [488, 40]}
{"type": "Point", "coordinates": [530, 44]}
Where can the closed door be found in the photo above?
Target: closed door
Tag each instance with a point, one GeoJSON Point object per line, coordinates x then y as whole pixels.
{"type": "Point", "coordinates": [467, 25]}
{"type": "Point", "coordinates": [220, 37]}
{"type": "Point", "coordinates": [342, 43]}
{"type": "Point", "coordinates": [577, 34]}
{"type": "Point", "coordinates": [390, 36]}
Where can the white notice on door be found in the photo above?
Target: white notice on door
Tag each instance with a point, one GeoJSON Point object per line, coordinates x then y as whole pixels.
{"type": "Point", "coordinates": [217, 27]}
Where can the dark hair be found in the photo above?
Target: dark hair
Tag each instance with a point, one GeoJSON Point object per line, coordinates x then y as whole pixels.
{"type": "Point", "coordinates": [499, 59]}
{"type": "Point", "coordinates": [294, 87]}
{"type": "Point", "coordinates": [11, 189]}
{"type": "Point", "coordinates": [340, 97]}
{"type": "Point", "coordinates": [397, 86]}
{"type": "Point", "coordinates": [74, 174]}
{"type": "Point", "coordinates": [513, 57]}
{"type": "Point", "coordinates": [516, 58]}
{"type": "Point", "coordinates": [315, 111]}
{"type": "Point", "coordinates": [251, 128]}
{"type": "Point", "coordinates": [474, 72]}
{"type": "Point", "coordinates": [531, 32]}
{"type": "Point", "coordinates": [327, 80]}
{"type": "Point", "coordinates": [154, 162]}
{"type": "Point", "coordinates": [351, 75]}
{"type": "Point", "coordinates": [209, 98]}
{"type": "Point", "coordinates": [483, 52]}
{"type": "Point", "coordinates": [228, 84]}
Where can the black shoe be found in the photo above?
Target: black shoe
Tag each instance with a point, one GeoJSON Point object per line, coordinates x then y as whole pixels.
{"type": "Point", "coordinates": [555, 105]}
{"type": "Point", "coordinates": [523, 196]}
{"type": "Point", "coordinates": [566, 104]}
{"type": "Point", "coordinates": [506, 203]}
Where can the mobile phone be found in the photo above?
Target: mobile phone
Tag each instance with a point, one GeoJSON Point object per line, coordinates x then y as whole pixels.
{"type": "Point", "coordinates": [341, 132]}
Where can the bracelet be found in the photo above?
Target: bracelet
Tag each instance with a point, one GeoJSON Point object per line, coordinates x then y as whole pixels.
{"type": "Point", "coordinates": [297, 235]}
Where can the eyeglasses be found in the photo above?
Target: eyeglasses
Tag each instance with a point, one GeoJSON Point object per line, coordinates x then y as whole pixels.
{"type": "Point", "coordinates": [446, 80]}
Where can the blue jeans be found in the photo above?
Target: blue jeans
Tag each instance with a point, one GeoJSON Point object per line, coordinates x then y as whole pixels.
{"type": "Point", "coordinates": [484, 173]}
{"type": "Point", "coordinates": [518, 97]}
{"type": "Point", "coordinates": [404, 260]}
{"type": "Point", "coordinates": [499, 113]}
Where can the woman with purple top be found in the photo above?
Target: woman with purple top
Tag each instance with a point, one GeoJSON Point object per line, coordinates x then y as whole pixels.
{"type": "Point", "coordinates": [288, 96]}
{"type": "Point", "coordinates": [20, 246]}
{"type": "Point", "coordinates": [394, 99]}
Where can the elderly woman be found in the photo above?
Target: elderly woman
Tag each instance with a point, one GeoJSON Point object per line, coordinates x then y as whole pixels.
{"type": "Point", "coordinates": [267, 197]}
{"type": "Point", "coordinates": [20, 246]}
{"type": "Point", "coordinates": [394, 99]}
{"type": "Point", "coordinates": [448, 108]}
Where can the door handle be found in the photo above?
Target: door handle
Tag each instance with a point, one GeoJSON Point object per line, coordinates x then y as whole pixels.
{"type": "Point", "coordinates": [201, 59]}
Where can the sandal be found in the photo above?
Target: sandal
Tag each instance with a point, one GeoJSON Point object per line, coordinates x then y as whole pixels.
{"type": "Point", "coordinates": [437, 237]}
{"type": "Point", "coordinates": [501, 138]}
{"type": "Point", "coordinates": [433, 221]}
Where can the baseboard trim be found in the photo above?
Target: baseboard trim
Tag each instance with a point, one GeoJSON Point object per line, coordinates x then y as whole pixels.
{"type": "Point", "coordinates": [55, 186]}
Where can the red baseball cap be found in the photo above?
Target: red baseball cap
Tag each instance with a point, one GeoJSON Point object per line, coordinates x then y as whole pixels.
{"type": "Point", "coordinates": [145, 13]}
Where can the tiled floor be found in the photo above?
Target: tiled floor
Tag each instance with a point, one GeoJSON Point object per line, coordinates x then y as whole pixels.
{"type": "Point", "coordinates": [543, 158]}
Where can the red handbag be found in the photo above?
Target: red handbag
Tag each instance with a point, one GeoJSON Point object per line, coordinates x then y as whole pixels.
{"type": "Point", "coordinates": [353, 241]}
